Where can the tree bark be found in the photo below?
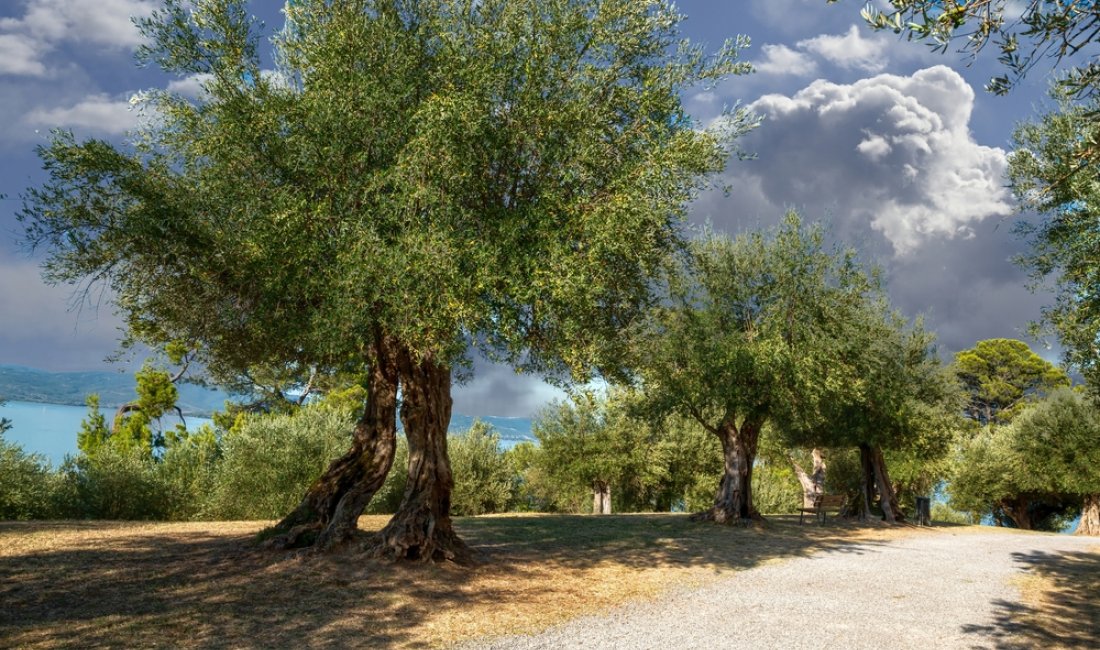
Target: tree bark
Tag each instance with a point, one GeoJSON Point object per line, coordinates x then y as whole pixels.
{"type": "Point", "coordinates": [421, 530]}
{"type": "Point", "coordinates": [733, 502]}
{"type": "Point", "coordinates": [1090, 516]}
{"type": "Point", "coordinates": [888, 499]}
{"type": "Point", "coordinates": [601, 498]}
{"type": "Point", "coordinates": [328, 514]}
{"type": "Point", "coordinates": [1018, 511]}
{"type": "Point", "coordinates": [813, 485]}
{"type": "Point", "coordinates": [874, 481]}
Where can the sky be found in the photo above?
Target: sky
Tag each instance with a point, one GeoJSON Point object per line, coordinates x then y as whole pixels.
{"type": "Point", "coordinates": [896, 149]}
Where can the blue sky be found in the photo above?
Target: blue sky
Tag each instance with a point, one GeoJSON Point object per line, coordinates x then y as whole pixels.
{"type": "Point", "coordinates": [898, 149]}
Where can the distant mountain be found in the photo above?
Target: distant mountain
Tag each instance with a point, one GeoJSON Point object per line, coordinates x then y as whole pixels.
{"type": "Point", "coordinates": [21, 384]}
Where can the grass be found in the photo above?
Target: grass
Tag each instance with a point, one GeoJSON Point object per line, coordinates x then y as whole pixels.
{"type": "Point", "coordinates": [180, 585]}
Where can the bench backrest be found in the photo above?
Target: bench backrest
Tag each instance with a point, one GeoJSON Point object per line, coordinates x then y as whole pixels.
{"type": "Point", "coordinates": [830, 500]}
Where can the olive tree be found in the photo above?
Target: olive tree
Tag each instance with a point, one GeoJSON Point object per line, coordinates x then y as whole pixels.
{"type": "Point", "coordinates": [738, 342]}
{"type": "Point", "coordinates": [413, 179]}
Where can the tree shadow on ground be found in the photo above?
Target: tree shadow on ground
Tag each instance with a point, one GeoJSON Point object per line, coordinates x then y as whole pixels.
{"type": "Point", "coordinates": [1061, 608]}
{"type": "Point", "coordinates": [67, 584]}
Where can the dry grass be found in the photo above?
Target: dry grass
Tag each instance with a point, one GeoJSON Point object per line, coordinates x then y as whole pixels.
{"type": "Point", "coordinates": [1059, 605]}
{"type": "Point", "coordinates": [82, 584]}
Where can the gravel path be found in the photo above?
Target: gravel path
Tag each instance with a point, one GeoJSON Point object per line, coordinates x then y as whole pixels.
{"type": "Point", "coordinates": [924, 591]}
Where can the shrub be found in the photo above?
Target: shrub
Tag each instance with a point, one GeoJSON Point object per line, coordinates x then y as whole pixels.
{"type": "Point", "coordinates": [28, 486]}
{"type": "Point", "coordinates": [271, 460]}
{"type": "Point", "coordinates": [114, 483]}
{"type": "Point", "coordinates": [484, 479]}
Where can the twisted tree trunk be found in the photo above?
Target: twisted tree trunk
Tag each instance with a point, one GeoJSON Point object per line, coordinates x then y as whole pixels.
{"type": "Point", "coordinates": [875, 481]}
{"type": "Point", "coordinates": [327, 516]}
{"type": "Point", "coordinates": [1090, 516]}
{"type": "Point", "coordinates": [421, 529]}
{"type": "Point", "coordinates": [733, 502]}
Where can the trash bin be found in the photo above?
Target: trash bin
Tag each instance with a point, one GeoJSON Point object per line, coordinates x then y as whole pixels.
{"type": "Point", "coordinates": [924, 511]}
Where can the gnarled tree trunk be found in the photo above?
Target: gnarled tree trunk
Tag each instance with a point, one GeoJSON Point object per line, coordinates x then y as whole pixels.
{"type": "Point", "coordinates": [733, 503]}
{"type": "Point", "coordinates": [813, 485]}
{"type": "Point", "coordinates": [421, 529]}
{"type": "Point", "coordinates": [875, 481]}
{"type": "Point", "coordinates": [1090, 516]}
{"type": "Point", "coordinates": [1018, 509]}
{"type": "Point", "coordinates": [328, 514]}
{"type": "Point", "coordinates": [601, 498]}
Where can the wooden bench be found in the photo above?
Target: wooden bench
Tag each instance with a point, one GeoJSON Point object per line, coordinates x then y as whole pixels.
{"type": "Point", "coordinates": [822, 504]}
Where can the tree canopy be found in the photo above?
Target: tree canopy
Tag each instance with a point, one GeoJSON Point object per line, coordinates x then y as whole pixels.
{"type": "Point", "coordinates": [412, 179]}
{"type": "Point", "coordinates": [740, 340]}
{"type": "Point", "coordinates": [999, 375]}
{"type": "Point", "coordinates": [1053, 172]}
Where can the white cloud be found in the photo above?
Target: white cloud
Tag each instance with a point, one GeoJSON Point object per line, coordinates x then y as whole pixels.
{"type": "Point", "coordinates": [848, 50]}
{"type": "Point", "coordinates": [892, 152]}
{"type": "Point", "coordinates": [96, 113]}
{"type": "Point", "coordinates": [45, 24]}
{"type": "Point", "coordinates": [20, 55]}
{"type": "Point", "coordinates": [782, 60]}
{"type": "Point", "coordinates": [190, 86]}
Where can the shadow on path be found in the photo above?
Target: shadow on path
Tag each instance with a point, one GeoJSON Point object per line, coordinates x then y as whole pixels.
{"type": "Point", "coordinates": [1062, 608]}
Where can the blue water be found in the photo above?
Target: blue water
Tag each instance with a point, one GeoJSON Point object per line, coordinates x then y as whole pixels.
{"type": "Point", "coordinates": [50, 429]}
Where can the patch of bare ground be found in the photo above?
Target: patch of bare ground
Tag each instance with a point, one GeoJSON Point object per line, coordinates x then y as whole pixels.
{"type": "Point", "coordinates": [189, 585]}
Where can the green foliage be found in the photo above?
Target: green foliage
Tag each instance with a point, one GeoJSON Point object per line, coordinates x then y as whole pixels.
{"type": "Point", "coordinates": [511, 172]}
{"type": "Point", "coordinates": [1040, 466]}
{"type": "Point", "coordinates": [1001, 375]}
{"type": "Point", "coordinates": [93, 432]}
{"type": "Point", "coordinates": [747, 318]}
{"type": "Point", "coordinates": [28, 486]}
{"type": "Point", "coordinates": [1053, 172]}
{"type": "Point", "coordinates": [944, 514]}
{"type": "Point", "coordinates": [591, 440]}
{"type": "Point", "coordinates": [187, 471]}
{"type": "Point", "coordinates": [115, 483]}
{"type": "Point", "coordinates": [775, 488]}
{"type": "Point", "coordinates": [1058, 444]}
{"type": "Point", "coordinates": [271, 460]}
{"type": "Point", "coordinates": [484, 480]}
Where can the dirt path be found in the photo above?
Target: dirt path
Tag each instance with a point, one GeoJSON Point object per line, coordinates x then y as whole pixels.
{"type": "Point", "coordinates": [931, 590]}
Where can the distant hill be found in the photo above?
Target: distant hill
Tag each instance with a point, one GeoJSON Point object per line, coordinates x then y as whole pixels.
{"type": "Point", "coordinates": [21, 384]}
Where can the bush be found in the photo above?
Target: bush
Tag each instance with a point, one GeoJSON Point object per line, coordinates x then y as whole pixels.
{"type": "Point", "coordinates": [114, 483]}
{"type": "Point", "coordinates": [29, 488]}
{"type": "Point", "coordinates": [775, 488]}
{"type": "Point", "coordinates": [484, 479]}
{"type": "Point", "coordinates": [187, 471]}
{"type": "Point", "coordinates": [271, 460]}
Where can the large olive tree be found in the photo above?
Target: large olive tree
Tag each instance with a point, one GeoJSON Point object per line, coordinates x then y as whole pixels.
{"type": "Point", "coordinates": [413, 178]}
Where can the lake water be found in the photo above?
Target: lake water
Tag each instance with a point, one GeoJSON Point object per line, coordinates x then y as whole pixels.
{"type": "Point", "coordinates": [50, 429]}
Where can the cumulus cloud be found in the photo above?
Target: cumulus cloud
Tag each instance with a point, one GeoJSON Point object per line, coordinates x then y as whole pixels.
{"type": "Point", "coordinates": [26, 41]}
{"type": "Point", "coordinates": [894, 152]}
{"type": "Point", "coordinates": [190, 86]}
{"type": "Point", "coordinates": [20, 55]}
{"type": "Point", "coordinates": [848, 50]}
{"type": "Point", "coordinates": [96, 113]}
{"type": "Point", "coordinates": [782, 60]}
